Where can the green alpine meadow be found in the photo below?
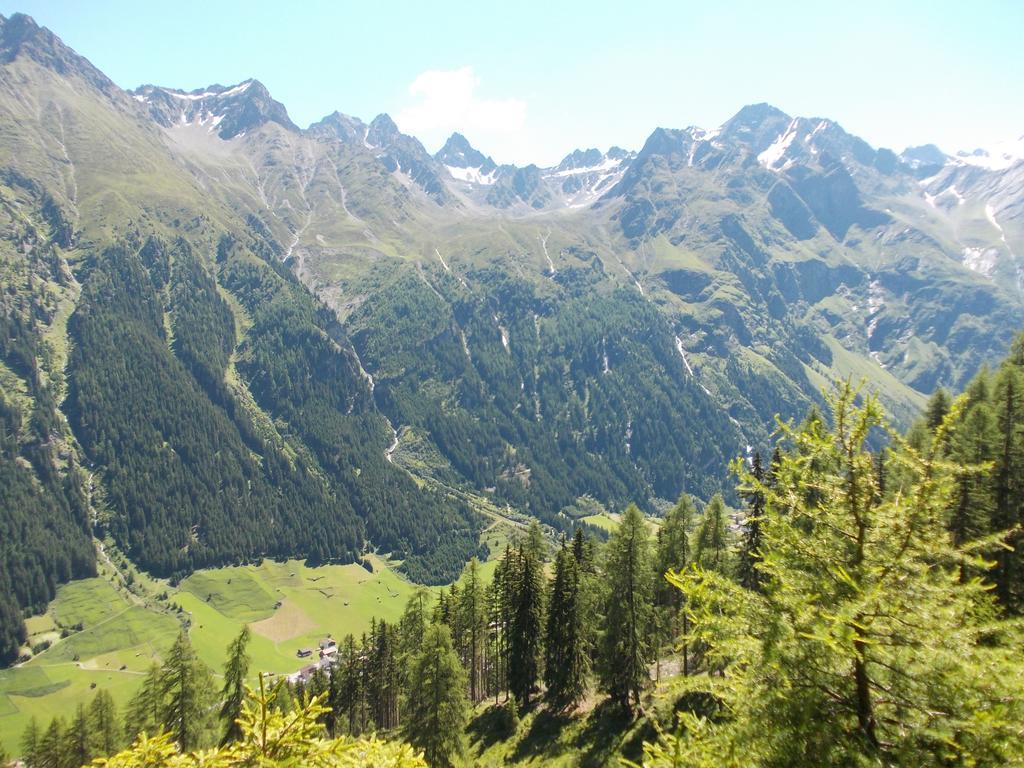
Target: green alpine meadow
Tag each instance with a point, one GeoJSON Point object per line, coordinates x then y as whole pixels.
{"type": "Point", "coordinates": [319, 447]}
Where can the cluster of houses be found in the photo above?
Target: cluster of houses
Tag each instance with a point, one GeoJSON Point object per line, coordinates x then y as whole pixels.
{"type": "Point", "coordinates": [328, 655]}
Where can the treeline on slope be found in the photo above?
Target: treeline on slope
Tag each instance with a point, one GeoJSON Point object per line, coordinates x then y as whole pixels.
{"type": "Point", "coordinates": [44, 526]}
{"type": "Point", "coordinates": [987, 434]}
{"type": "Point", "coordinates": [180, 718]}
{"type": "Point", "coordinates": [191, 479]}
{"type": "Point", "coordinates": [543, 401]}
{"type": "Point", "coordinates": [301, 371]}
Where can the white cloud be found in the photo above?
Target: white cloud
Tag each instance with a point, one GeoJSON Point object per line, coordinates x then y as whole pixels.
{"type": "Point", "coordinates": [444, 101]}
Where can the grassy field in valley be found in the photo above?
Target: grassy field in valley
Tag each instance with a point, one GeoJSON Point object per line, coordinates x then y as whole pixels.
{"type": "Point", "coordinates": [288, 606]}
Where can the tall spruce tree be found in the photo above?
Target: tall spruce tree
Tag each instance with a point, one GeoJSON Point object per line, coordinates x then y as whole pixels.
{"type": "Point", "coordinates": [233, 692]}
{"type": "Point", "coordinates": [750, 546]}
{"type": "Point", "coordinates": [437, 707]}
{"type": "Point", "coordinates": [712, 545]}
{"type": "Point", "coordinates": [1008, 478]}
{"type": "Point", "coordinates": [50, 753]}
{"type": "Point", "coordinates": [349, 671]}
{"type": "Point", "coordinates": [30, 740]}
{"type": "Point", "coordinates": [472, 626]}
{"type": "Point", "coordinates": [186, 691]}
{"type": "Point", "coordinates": [536, 545]}
{"type": "Point", "coordinates": [76, 749]}
{"type": "Point", "coordinates": [499, 604]}
{"type": "Point", "coordinates": [145, 710]}
{"type": "Point", "coordinates": [567, 659]}
{"type": "Point", "coordinates": [526, 632]}
{"type": "Point", "coordinates": [103, 725]}
{"type": "Point", "coordinates": [625, 647]}
{"type": "Point", "coordinates": [674, 552]}
{"type": "Point", "coordinates": [865, 647]}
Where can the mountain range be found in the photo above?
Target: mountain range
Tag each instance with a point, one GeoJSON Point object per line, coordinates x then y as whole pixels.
{"type": "Point", "coordinates": [230, 337]}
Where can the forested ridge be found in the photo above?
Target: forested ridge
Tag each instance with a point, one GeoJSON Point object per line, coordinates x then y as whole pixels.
{"type": "Point", "coordinates": [44, 529]}
{"type": "Point", "coordinates": [191, 481]}
{"type": "Point", "coordinates": [543, 400]}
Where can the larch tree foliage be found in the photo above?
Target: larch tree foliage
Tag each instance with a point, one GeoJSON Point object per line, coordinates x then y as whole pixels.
{"type": "Point", "coordinates": [625, 649]}
{"type": "Point", "coordinates": [437, 710]}
{"type": "Point", "coordinates": [233, 692]}
{"type": "Point", "coordinates": [271, 735]}
{"type": "Point", "coordinates": [567, 659]}
{"type": "Point", "coordinates": [865, 646]}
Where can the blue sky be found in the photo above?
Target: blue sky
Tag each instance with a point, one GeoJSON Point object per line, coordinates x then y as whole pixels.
{"type": "Point", "coordinates": [529, 81]}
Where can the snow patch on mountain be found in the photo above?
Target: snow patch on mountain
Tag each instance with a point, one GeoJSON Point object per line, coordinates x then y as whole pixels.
{"type": "Point", "coordinates": [981, 260]}
{"type": "Point", "coordinates": [472, 175]}
{"type": "Point", "coordinates": [771, 156]}
{"type": "Point", "coordinates": [997, 157]}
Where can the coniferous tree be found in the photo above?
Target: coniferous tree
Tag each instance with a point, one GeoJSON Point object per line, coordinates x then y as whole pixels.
{"type": "Point", "coordinates": [936, 410]}
{"type": "Point", "coordinates": [233, 693]}
{"type": "Point", "coordinates": [30, 740]}
{"type": "Point", "coordinates": [186, 691]}
{"type": "Point", "coordinates": [50, 753]}
{"type": "Point", "coordinates": [674, 552]}
{"type": "Point", "coordinates": [103, 726]}
{"type": "Point", "coordinates": [499, 605]}
{"type": "Point", "coordinates": [350, 688]}
{"type": "Point", "coordinates": [437, 707]}
{"type": "Point", "coordinates": [712, 545]}
{"type": "Point", "coordinates": [76, 749]}
{"type": "Point", "coordinates": [472, 625]}
{"type": "Point", "coordinates": [411, 628]}
{"type": "Point", "coordinates": [567, 659]}
{"type": "Point", "coordinates": [1008, 478]}
{"type": "Point", "coordinates": [970, 446]}
{"type": "Point", "coordinates": [527, 626]}
{"type": "Point", "coordinates": [383, 679]}
{"type": "Point", "coordinates": [145, 709]}
{"type": "Point", "coordinates": [625, 647]}
{"type": "Point", "coordinates": [749, 555]}
{"type": "Point", "coordinates": [536, 545]}
{"type": "Point", "coordinates": [879, 653]}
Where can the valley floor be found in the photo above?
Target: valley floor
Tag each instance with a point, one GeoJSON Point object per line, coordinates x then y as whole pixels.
{"type": "Point", "coordinates": [124, 627]}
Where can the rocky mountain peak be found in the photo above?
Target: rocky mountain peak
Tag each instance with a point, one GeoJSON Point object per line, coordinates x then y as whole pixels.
{"type": "Point", "coordinates": [755, 126]}
{"type": "Point", "coordinates": [228, 110]}
{"type": "Point", "coordinates": [465, 162]}
{"type": "Point", "coordinates": [20, 35]}
{"type": "Point", "coordinates": [337, 125]}
{"type": "Point", "coordinates": [383, 131]}
{"type": "Point", "coordinates": [580, 158]}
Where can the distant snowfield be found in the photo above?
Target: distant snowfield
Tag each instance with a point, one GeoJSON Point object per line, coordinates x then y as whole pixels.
{"type": "Point", "coordinates": [997, 157]}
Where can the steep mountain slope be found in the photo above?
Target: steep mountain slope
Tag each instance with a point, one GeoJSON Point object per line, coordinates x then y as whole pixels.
{"type": "Point", "coordinates": [259, 315]}
{"type": "Point", "coordinates": [219, 406]}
